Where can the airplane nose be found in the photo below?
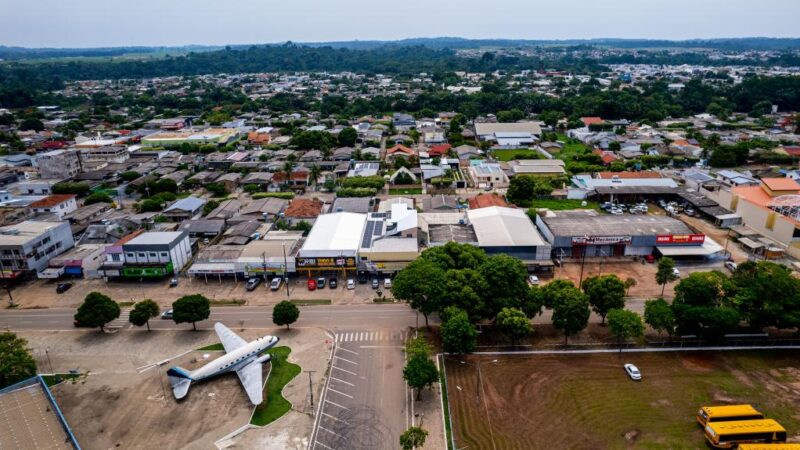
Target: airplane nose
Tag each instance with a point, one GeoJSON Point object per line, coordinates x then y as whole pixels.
{"type": "Point", "coordinates": [277, 339]}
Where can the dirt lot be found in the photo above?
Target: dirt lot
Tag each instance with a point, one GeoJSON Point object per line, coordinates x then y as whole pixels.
{"type": "Point", "coordinates": [644, 274]}
{"type": "Point", "coordinates": [588, 402]}
{"type": "Point", "coordinates": [121, 404]}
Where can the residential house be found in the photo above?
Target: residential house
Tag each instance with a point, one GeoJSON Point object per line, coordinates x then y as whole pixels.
{"type": "Point", "coordinates": [184, 209]}
{"type": "Point", "coordinates": [399, 151]}
{"type": "Point", "coordinates": [58, 164]}
{"type": "Point", "coordinates": [303, 210]}
{"type": "Point", "coordinates": [58, 204]}
{"type": "Point", "coordinates": [486, 201]}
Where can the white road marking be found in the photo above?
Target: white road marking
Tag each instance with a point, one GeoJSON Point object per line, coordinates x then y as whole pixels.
{"type": "Point", "coordinates": [343, 370]}
{"type": "Point", "coordinates": [335, 418]}
{"type": "Point", "coordinates": [380, 346]}
{"type": "Point", "coordinates": [340, 392]}
{"type": "Point", "coordinates": [336, 404]}
{"type": "Point", "coordinates": [345, 360]}
{"type": "Point", "coordinates": [329, 431]}
{"type": "Point", "coordinates": [320, 443]}
{"type": "Point", "coordinates": [347, 350]}
{"type": "Point", "coordinates": [342, 381]}
{"type": "Point", "coordinates": [360, 336]}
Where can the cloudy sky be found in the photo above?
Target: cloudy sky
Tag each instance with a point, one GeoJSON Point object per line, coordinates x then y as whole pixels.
{"type": "Point", "coordinates": [106, 23]}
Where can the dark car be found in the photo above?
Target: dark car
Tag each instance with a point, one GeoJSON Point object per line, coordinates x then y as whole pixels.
{"type": "Point", "coordinates": [63, 287]}
{"type": "Point", "coordinates": [375, 283]}
{"type": "Point", "coordinates": [362, 278]}
{"type": "Point", "coordinates": [332, 282]}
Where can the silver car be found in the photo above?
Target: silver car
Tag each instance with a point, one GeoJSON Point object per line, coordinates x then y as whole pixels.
{"type": "Point", "coordinates": [633, 372]}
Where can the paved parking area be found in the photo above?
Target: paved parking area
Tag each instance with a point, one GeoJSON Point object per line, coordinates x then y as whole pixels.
{"type": "Point", "coordinates": [27, 421]}
{"type": "Point", "coordinates": [365, 402]}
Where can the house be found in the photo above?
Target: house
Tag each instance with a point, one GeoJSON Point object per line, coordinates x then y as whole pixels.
{"type": "Point", "coordinates": [399, 151]}
{"type": "Point", "coordinates": [734, 178]}
{"type": "Point", "coordinates": [402, 170]}
{"type": "Point", "coordinates": [226, 209]}
{"type": "Point", "coordinates": [58, 204]}
{"type": "Point", "coordinates": [184, 209]}
{"type": "Point", "coordinates": [311, 155]}
{"type": "Point", "coordinates": [230, 181]}
{"type": "Point", "coordinates": [364, 169]}
{"type": "Point", "coordinates": [373, 152]}
{"type": "Point", "coordinates": [361, 205]}
{"type": "Point", "coordinates": [437, 151]}
{"type": "Point", "coordinates": [440, 203]}
{"type": "Point", "coordinates": [202, 228]}
{"type": "Point", "coordinates": [587, 121]}
{"type": "Point", "coordinates": [200, 178]}
{"type": "Point", "coordinates": [343, 154]}
{"type": "Point", "coordinates": [261, 179]}
{"type": "Point", "coordinates": [28, 246]}
{"type": "Point", "coordinates": [299, 179]}
{"type": "Point", "coordinates": [303, 210]}
{"type": "Point", "coordinates": [403, 121]}
{"type": "Point", "coordinates": [467, 152]}
{"type": "Point", "coordinates": [58, 164]}
{"type": "Point", "coordinates": [488, 174]}
{"type": "Point", "coordinates": [486, 201]}
{"type": "Point", "coordinates": [263, 209]}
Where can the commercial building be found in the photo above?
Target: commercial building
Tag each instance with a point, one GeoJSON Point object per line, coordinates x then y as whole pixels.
{"type": "Point", "coordinates": [537, 167]}
{"type": "Point", "coordinates": [212, 136]}
{"type": "Point", "coordinates": [27, 247]}
{"type": "Point", "coordinates": [58, 164]}
{"type": "Point", "coordinates": [148, 255]}
{"type": "Point", "coordinates": [513, 131]}
{"type": "Point", "coordinates": [333, 243]}
{"type": "Point", "coordinates": [81, 261]}
{"type": "Point", "coordinates": [501, 230]}
{"type": "Point", "coordinates": [99, 157]}
{"type": "Point", "coordinates": [272, 255]}
{"type": "Point", "coordinates": [630, 185]}
{"type": "Point", "coordinates": [586, 233]}
{"type": "Point", "coordinates": [390, 240]}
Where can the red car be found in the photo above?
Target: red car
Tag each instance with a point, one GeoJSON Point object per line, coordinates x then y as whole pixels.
{"type": "Point", "coordinates": [650, 258]}
{"type": "Point", "coordinates": [312, 285]}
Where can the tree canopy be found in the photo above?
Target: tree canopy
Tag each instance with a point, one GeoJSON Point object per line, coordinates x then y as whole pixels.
{"type": "Point", "coordinates": [142, 312]}
{"type": "Point", "coordinates": [285, 313]}
{"type": "Point", "coordinates": [97, 310]}
{"type": "Point", "coordinates": [514, 324]}
{"type": "Point", "coordinates": [605, 292]}
{"type": "Point", "coordinates": [191, 309]}
{"type": "Point", "coordinates": [16, 362]}
{"type": "Point", "coordinates": [458, 333]}
{"type": "Point", "coordinates": [625, 324]}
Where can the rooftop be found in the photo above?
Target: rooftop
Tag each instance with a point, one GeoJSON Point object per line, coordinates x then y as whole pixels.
{"type": "Point", "coordinates": [23, 232]}
{"type": "Point", "coordinates": [590, 223]}
{"type": "Point", "coordinates": [156, 238]}
{"type": "Point", "coordinates": [52, 200]}
{"type": "Point", "coordinates": [497, 226]}
{"type": "Point", "coordinates": [781, 184]}
{"type": "Point", "coordinates": [486, 200]}
{"type": "Point", "coordinates": [335, 234]}
{"type": "Point", "coordinates": [304, 207]}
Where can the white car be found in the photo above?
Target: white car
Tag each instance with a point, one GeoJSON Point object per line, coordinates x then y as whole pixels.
{"type": "Point", "coordinates": [351, 283]}
{"type": "Point", "coordinates": [676, 272]}
{"type": "Point", "coordinates": [387, 283]}
{"type": "Point", "coordinates": [533, 280]}
{"type": "Point", "coordinates": [731, 265]}
{"type": "Point", "coordinates": [633, 372]}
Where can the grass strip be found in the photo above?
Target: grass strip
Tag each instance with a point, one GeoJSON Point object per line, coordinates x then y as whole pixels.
{"type": "Point", "coordinates": [275, 405]}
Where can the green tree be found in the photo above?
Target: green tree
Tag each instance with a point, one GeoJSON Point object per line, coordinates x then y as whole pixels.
{"type": "Point", "coordinates": [314, 173]}
{"type": "Point", "coordinates": [412, 438]}
{"type": "Point", "coordinates": [658, 314]}
{"type": "Point", "coordinates": [129, 176]}
{"type": "Point", "coordinates": [418, 347]}
{"type": "Point", "coordinates": [605, 292]}
{"type": "Point", "coordinates": [458, 334]}
{"type": "Point", "coordinates": [420, 372]}
{"type": "Point", "coordinates": [210, 205]}
{"type": "Point", "coordinates": [97, 197]}
{"type": "Point", "coordinates": [16, 362]}
{"type": "Point", "coordinates": [767, 295]}
{"type": "Point", "coordinates": [571, 313]}
{"type": "Point", "coordinates": [701, 305]}
{"type": "Point", "coordinates": [421, 284]}
{"type": "Point", "coordinates": [142, 312]}
{"type": "Point", "coordinates": [455, 256]}
{"type": "Point", "coordinates": [31, 123]}
{"type": "Point", "coordinates": [624, 324]}
{"type": "Point", "coordinates": [521, 190]}
{"type": "Point", "coordinates": [514, 324]}
{"type": "Point", "coordinates": [665, 272]}
{"type": "Point", "coordinates": [191, 309]}
{"type": "Point", "coordinates": [218, 189]}
{"type": "Point", "coordinates": [506, 277]}
{"type": "Point", "coordinates": [285, 313]}
{"type": "Point", "coordinates": [97, 310]}
{"type": "Point", "coordinates": [347, 137]}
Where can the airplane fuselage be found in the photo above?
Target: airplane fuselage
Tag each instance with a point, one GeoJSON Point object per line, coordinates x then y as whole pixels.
{"type": "Point", "coordinates": [236, 359]}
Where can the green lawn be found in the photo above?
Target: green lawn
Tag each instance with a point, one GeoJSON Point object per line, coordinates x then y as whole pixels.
{"type": "Point", "coordinates": [571, 148]}
{"type": "Point", "coordinates": [52, 380]}
{"type": "Point", "coordinates": [311, 301]}
{"type": "Point", "coordinates": [407, 191]}
{"type": "Point", "coordinates": [211, 348]}
{"type": "Point", "coordinates": [274, 405]}
{"type": "Point", "coordinates": [522, 153]}
{"type": "Point", "coordinates": [559, 205]}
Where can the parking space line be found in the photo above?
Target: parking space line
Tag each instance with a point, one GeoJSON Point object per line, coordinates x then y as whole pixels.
{"type": "Point", "coordinates": [329, 431]}
{"type": "Point", "coordinates": [320, 443]}
{"type": "Point", "coordinates": [345, 360]}
{"type": "Point", "coordinates": [339, 392]}
{"type": "Point", "coordinates": [344, 370]}
{"type": "Point", "coordinates": [335, 418]}
{"type": "Point", "coordinates": [347, 350]}
{"type": "Point", "coordinates": [360, 336]}
{"type": "Point", "coordinates": [349, 337]}
{"type": "Point", "coordinates": [336, 404]}
{"type": "Point", "coordinates": [342, 381]}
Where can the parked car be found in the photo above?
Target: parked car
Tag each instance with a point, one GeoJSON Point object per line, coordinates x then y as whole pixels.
{"type": "Point", "coordinates": [206, 241]}
{"type": "Point", "coordinates": [253, 283]}
{"type": "Point", "coordinates": [275, 284]}
{"type": "Point", "coordinates": [312, 285]}
{"type": "Point", "coordinates": [387, 283]}
{"type": "Point", "coordinates": [320, 282]}
{"type": "Point", "coordinates": [332, 282]}
{"type": "Point", "coordinates": [362, 278]}
{"type": "Point", "coordinates": [166, 314]}
{"type": "Point", "coordinates": [375, 283]}
{"type": "Point", "coordinates": [731, 265]}
{"type": "Point", "coordinates": [676, 272]}
{"type": "Point", "coordinates": [533, 280]}
{"type": "Point", "coordinates": [650, 258]}
{"type": "Point", "coordinates": [63, 287]}
{"type": "Point", "coordinates": [633, 372]}
{"type": "Point", "coordinates": [173, 282]}
{"type": "Point", "coordinates": [351, 283]}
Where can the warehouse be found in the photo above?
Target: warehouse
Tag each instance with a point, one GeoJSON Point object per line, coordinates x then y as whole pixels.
{"type": "Point", "coordinates": [508, 231]}
{"type": "Point", "coordinates": [333, 243]}
{"type": "Point", "coordinates": [586, 233]}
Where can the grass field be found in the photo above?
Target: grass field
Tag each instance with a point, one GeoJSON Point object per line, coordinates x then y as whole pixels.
{"type": "Point", "coordinates": [559, 205]}
{"type": "Point", "coordinates": [406, 191]}
{"type": "Point", "coordinates": [522, 153]}
{"type": "Point", "coordinates": [212, 348]}
{"type": "Point", "coordinates": [588, 402]}
{"type": "Point", "coordinates": [274, 405]}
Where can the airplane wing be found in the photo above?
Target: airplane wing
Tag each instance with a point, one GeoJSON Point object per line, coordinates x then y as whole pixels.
{"type": "Point", "coordinates": [230, 340]}
{"type": "Point", "coordinates": [250, 376]}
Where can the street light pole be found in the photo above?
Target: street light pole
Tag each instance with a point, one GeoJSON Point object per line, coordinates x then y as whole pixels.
{"type": "Point", "coordinates": [286, 271]}
{"type": "Point", "coordinates": [310, 388]}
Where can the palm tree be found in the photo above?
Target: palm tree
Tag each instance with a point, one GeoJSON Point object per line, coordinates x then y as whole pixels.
{"type": "Point", "coordinates": [288, 169]}
{"type": "Point", "coordinates": [315, 173]}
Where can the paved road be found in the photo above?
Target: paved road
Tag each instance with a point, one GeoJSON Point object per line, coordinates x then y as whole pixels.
{"type": "Point", "coordinates": [364, 405]}
{"type": "Point", "coordinates": [329, 317]}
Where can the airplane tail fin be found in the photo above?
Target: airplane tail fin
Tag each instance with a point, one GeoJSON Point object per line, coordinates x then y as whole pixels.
{"type": "Point", "coordinates": [180, 379]}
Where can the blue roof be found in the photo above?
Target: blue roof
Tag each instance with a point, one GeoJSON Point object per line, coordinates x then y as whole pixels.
{"type": "Point", "coordinates": [187, 204]}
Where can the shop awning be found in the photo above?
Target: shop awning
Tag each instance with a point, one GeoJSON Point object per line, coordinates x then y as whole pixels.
{"type": "Point", "coordinates": [50, 273]}
{"type": "Point", "coordinates": [749, 243]}
{"type": "Point", "coordinates": [212, 268]}
{"type": "Point", "coordinates": [708, 248]}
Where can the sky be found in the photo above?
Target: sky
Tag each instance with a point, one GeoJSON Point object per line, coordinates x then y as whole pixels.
{"type": "Point", "coordinates": [114, 23]}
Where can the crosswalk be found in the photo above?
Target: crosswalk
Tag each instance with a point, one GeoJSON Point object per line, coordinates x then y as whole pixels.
{"type": "Point", "coordinates": [370, 336]}
{"type": "Point", "coordinates": [121, 321]}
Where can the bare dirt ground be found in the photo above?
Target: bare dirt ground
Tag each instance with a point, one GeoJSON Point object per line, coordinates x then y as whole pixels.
{"type": "Point", "coordinates": [720, 235]}
{"type": "Point", "coordinates": [119, 403]}
{"type": "Point", "coordinates": [588, 402]}
{"type": "Point", "coordinates": [644, 274]}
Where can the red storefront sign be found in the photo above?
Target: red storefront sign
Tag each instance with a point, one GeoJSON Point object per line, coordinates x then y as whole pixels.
{"type": "Point", "coordinates": [680, 239]}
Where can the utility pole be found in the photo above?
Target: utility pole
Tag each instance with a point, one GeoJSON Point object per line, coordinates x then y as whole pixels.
{"type": "Point", "coordinates": [583, 260]}
{"type": "Point", "coordinates": [310, 389]}
{"type": "Point", "coordinates": [286, 272]}
{"type": "Point", "coordinates": [6, 284]}
{"type": "Point", "coordinates": [264, 265]}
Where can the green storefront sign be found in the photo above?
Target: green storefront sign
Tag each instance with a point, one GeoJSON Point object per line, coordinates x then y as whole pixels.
{"type": "Point", "coordinates": [147, 271]}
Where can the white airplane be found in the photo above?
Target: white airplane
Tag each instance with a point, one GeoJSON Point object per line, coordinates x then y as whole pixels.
{"type": "Point", "coordinates": [241, 357]}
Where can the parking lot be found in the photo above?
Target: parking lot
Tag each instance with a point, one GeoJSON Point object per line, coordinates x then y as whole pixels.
{"type": "Point", "coordinates": [365, 403]}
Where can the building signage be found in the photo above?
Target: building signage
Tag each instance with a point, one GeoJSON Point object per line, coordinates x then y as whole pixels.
{"type": "Point", "coordinates": [314, 263]}
{"type": "Point", "coordinates": [600, 240]}
{"type": "Point", "coordinates": [680, 239]}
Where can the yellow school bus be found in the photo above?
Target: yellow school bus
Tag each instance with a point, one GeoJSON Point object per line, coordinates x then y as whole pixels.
{"type": "Point", "coordinates": [727, 413]}
{"type": "Point", "coordinates": [769, 447]}
{"type": "Point", "coordinates": [731, 434]}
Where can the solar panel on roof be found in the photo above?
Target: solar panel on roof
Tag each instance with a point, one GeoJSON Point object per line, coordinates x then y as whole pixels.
{"type": "Point", "coordinates": [367, 239]}
{"type": "Point", "coordinates": [378, 228]}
